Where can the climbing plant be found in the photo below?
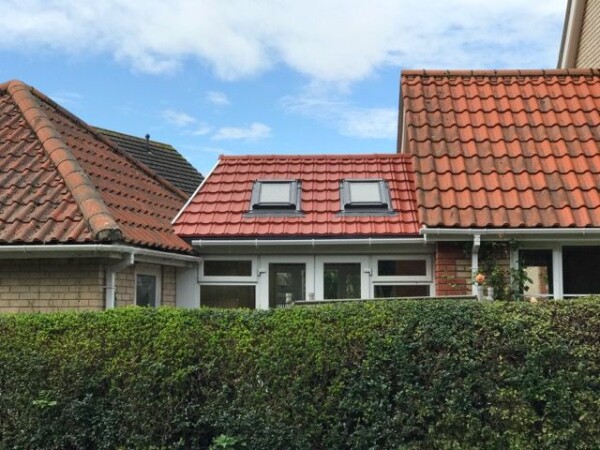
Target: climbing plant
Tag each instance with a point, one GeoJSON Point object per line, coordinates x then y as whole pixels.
{"type": "Point", "coordinates": [509, 283]}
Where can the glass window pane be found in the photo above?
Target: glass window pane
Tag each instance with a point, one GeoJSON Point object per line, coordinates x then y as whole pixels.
{"type": "Point", "coordinates": [401, 267]}
{"type": "Point", "coordinates": [538, 268]}
{"type": "Point", "coordinates": [228, 296]}
{"type": "Point", "coordinates": [145, 294]}
{"type": "Point", "coordinates": [365, 192]}
{"type": "Point", "coordinates": [275, 192]}
{"type": "Point", "coordinates": [341, 280]}
{"type": "Point", "coordinates": [580, 270]}
{"type": "Point", "coordinates": [400, 291]}
{"type": "Point", "coordinates": [227, 268]}
{"type": "Point", "coordinates": [287, 282]}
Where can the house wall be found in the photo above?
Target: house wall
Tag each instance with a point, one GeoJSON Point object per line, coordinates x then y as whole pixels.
{"type": "Point", "coordinates": [48, 285]}
{"type": "Point", "coordinates": [588, 54]}
{"type": "Point", "coordinates": [126, 283]}
{"type": "Point", "coordinates": [452, 266]}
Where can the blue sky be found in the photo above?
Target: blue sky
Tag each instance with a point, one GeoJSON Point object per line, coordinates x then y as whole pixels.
{"type": "Point", "coordinates": [263, 76]}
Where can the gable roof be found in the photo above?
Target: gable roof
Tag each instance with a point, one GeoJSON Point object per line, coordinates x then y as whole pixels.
{"type": "Point", "coordinates": [504, 148]}
{"type": "Point", "coordinates": [220, 207]}
{"type": "Point", "coordinates": [62, 182]}
{"type": "Point", "coordinates": [165, 160]}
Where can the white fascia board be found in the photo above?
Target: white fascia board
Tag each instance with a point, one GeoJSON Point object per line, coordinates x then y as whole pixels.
{"type": "Point", "coordinates": [93, 250]}
{"type": "Point", "coordinates": [542, 234]}
{"type": "Point", "coordinates": [302, 242]}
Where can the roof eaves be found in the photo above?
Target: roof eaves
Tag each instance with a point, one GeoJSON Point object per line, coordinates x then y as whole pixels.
{"type": "Point", "coordinates": [102, 224]}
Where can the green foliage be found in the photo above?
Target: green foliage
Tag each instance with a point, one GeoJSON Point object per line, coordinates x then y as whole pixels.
{"type": "Point", "coordinates": [400, 374]}
{"type": "Point", "coordinates": [509, 283]}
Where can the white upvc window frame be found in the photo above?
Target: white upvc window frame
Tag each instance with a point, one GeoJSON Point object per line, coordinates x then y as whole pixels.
{"type": "Point", "coordinates": [402, 280]}
{"type": "Point", "coordinates": [151, 270]}
{"type": "Point", "coordinates": [237, 279]}
{"type": "Point", "coordinates": [365, 272]}
{"type": "Point", "coordinates": [557, 274]}
{"type": "Point", "coordinates": [557, 262]}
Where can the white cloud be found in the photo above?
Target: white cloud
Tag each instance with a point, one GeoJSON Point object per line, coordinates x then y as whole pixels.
{"type": "Point", "coordinates": [178, 118]}
{"type": "Point", "coordinates": [334, 40]}
{"type": "Point", "coordinates": [350, 120]}
{"type": "Point", "coordinates": [217, 98]}
{"type": "Point", "coordinates": [202, 129]}
{"type": "Point", "coordinates": [255, 131]}
{"type": "Point", "coordinates": [66, 98]}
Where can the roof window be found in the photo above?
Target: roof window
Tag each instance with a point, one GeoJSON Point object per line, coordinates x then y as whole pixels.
{"type": "Point", "coordinates": [275, 195]}
{"type": "Point", "coordinates": [365, 195]}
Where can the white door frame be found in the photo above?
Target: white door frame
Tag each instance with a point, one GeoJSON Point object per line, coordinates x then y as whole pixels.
{"type": "Point", "coordinates": [262, 300]}
{"type": "Point", "coordinates": [365, 272]}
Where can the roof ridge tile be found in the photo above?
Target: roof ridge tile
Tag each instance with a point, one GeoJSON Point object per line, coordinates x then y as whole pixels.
{"type": "Point", "coordinates": [96, 214]}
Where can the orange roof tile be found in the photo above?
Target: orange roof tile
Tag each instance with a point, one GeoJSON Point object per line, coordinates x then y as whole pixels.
{"type": "Point", "coordinates": [504, 148]}
{"type": "Point", "coordinates": [219, 208]}
{"type": "Point", "coordinates": [62, 182]}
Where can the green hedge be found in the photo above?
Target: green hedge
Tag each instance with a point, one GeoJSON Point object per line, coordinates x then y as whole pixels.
{"type": "Point", "coordinates": [400, 374]}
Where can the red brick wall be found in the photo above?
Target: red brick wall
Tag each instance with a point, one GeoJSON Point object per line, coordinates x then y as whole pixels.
{"type": "Point", "coordinates": [452, 269]}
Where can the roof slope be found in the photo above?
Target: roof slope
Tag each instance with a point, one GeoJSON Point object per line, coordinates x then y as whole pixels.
{"type": "Point", "coordinates": [219, 208]}
{"type": "Point", "coordinates": [165, 160]}
{"type": "Point", "coordinates": [506, 148]}
{"type": "Point", "coordinates": [61, 182]}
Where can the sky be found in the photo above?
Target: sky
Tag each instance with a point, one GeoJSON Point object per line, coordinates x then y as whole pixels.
{"type": "Point", "coordinates": [240, 77]}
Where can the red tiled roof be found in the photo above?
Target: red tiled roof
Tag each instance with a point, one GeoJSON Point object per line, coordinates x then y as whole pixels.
{"type": "Point", "coordinates": [61, 182]}
{"type": "Point", "coordinates": [504, 148]}
{"type": "Point", "coordinates": [219, 208]}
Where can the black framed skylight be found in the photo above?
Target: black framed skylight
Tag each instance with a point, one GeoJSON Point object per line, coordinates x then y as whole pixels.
{"type": "Point", "coordinates": [365, 195]}
{"type": "Point", "coordinates": [275, 195]}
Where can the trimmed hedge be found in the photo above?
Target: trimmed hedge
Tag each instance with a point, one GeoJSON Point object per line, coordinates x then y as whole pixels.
{"type": "Point", "coordinates": [400, 374]}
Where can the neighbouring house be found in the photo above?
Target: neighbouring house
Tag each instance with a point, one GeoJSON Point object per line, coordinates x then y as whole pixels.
{"type": "Point", "coordinates": [502, 161]}
{"type": "Point", "coordinates": [164, 159]}
{"type": "Point", "coordinates": [279, 229]}
{"type": "Point", "coordinates": [580, 45]}
{"type": "Point", "coordinates": [505, 156]}
{"type": "Point", "coordinates": [83, 225]}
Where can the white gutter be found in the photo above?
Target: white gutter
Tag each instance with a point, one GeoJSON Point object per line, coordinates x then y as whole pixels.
{"type": "Point", "coordinates": [500, 232]}
{"type": "Point", "coordinates": [475, 259]}
{"type": "Point", "coordinates": [111, 277]}
{"type": "Point", "coordinates": [88, 250]}
{"type": "Point", "coordinates": [306, 242]}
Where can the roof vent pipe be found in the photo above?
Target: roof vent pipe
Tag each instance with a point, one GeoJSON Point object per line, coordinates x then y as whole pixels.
{"type": "Point", "coordinates": [148, 142]}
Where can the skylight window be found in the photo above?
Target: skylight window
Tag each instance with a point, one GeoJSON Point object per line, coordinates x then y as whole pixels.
{"type": "Point", "coordinates": [275, 195]}
{"type": "Point", "coordinates": [365, 195]}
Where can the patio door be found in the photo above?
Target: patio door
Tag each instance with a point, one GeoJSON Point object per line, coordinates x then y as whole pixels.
{"type": "Point", "coordinates": [342, 277]}
{"type": "Point", "coordinates": [285, 279]}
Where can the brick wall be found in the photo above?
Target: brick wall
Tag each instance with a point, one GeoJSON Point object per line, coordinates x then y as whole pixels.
{"type": "Point", "coordinates": [452, 269]}
{"type": "Point", "coordinates": [126, 281]}
{"type": "Point", "coordinates": [47, 285]}
{"type": "Point", "coordinates": [169, 286]}
{"type": "Point", "coordinates": [125, 287]}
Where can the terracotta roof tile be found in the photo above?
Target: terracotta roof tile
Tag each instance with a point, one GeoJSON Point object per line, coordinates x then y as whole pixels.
{"type": "Point", "coordinates": [504, 148]}
{"type": "Point", "coordinates": [62, 182]}
{"type": "Point", "coordinates": [220, 208]}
